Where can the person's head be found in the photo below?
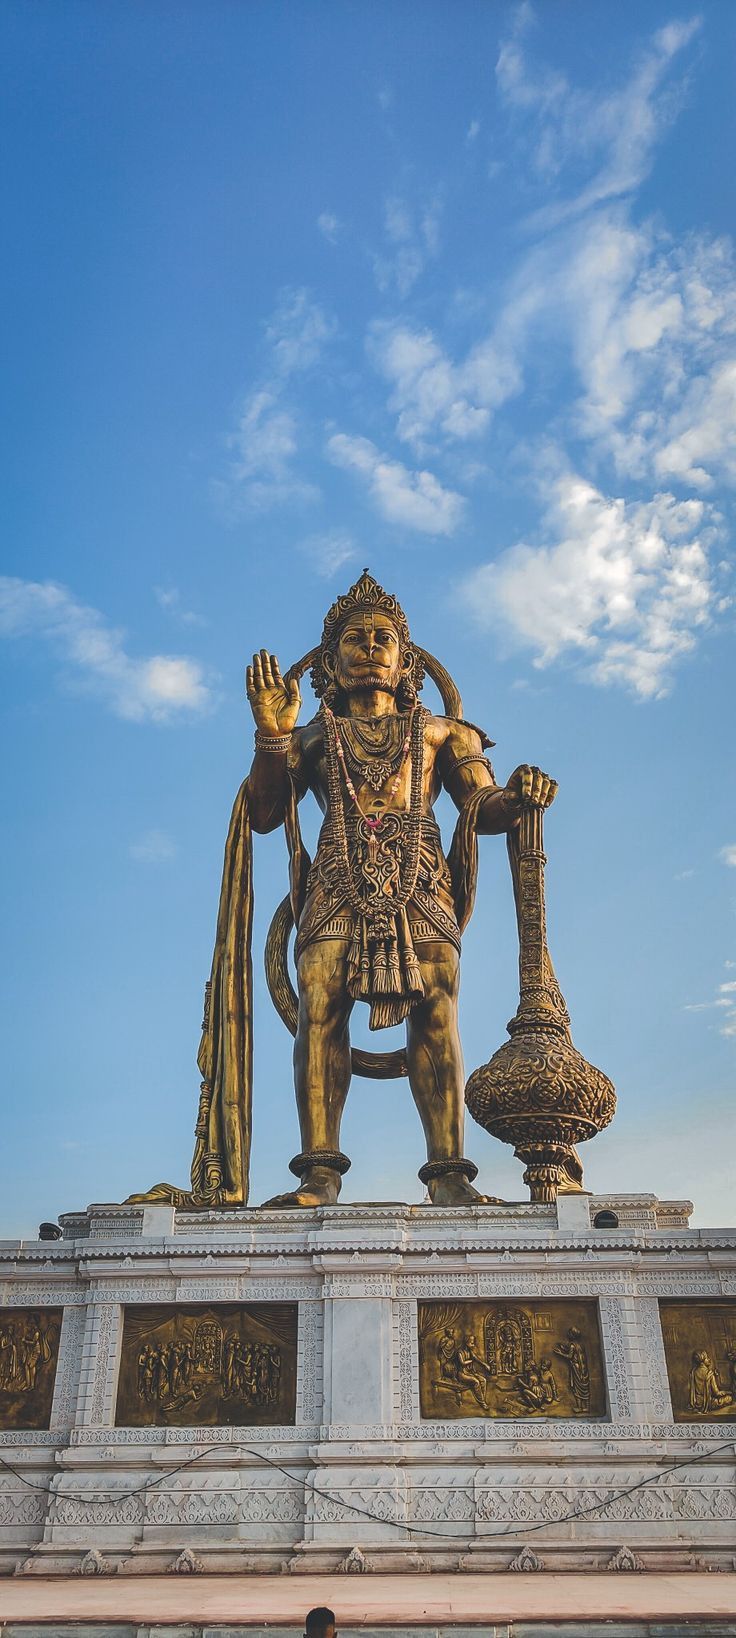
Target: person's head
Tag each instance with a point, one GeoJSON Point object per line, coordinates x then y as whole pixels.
{"type": "Point", "coordinates": [320, 1623]}
{"type": "Point", "coordinates": [366, 645]}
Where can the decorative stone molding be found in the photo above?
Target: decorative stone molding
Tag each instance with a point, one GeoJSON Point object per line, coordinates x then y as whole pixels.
{"type": "Point", "coordinates": [68, 1368]}
{"type": "Point", "coordinates": [310, 1345]}
{"type": "Point", "coordinates": [650, 1329]}
{"type": "Point", "coordinates": [526, 1561]}
{"type": "Point", "coordinates": [618, 1369]}
{"type": "Point", "coordinates": [406, 1362]}
{"type": "Point", "coordinates": [354, 1563]}
{"type": "Point", "coordinates": [624, 1559]}
{"type": "Point", "coordinates": [187, 1564]}
{"type": "Point", "coordinates": [93, 1563]}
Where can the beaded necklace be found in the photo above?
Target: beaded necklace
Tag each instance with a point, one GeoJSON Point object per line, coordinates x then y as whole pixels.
{"type": "Point", "coordinates": [409, 870]}
{"type": "Point", "coordinates": [404, 752]}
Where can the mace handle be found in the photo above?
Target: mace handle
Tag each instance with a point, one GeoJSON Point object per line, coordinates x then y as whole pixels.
{"type": "Point", "coordinates": [540, 999]}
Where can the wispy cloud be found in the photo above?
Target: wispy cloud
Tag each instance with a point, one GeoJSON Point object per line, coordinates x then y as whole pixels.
{"type": "Point", "coordinates": [602, 141]}
{"type": "Point", "coordinates": [163, 688]}
{"type": "Point", "coordinates": [433, 397]}
{"type": "Point", "coordinates": [723, 1002]}
{"type": "Point", "coordinates": [169, 599]}
{"type": "Point", "coordinates": [329, 226]}
{"type": "Point", "coordinates": [328, 552]}
{"type": "Point", "coordinates": [415, 500]}
{"type": "Point", "coordinates": [727, 855]}
{"type": "Point", "coordinates": [625, 586]}
{"type": "Point", "coordinates": [265, 442]}
{"type": "Point", "coordinates": [154, 847]}
{"type": "Point", "coordinates": [412, 235]}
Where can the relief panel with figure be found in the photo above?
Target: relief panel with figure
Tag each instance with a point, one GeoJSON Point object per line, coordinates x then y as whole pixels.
{"type": "Point", "coordinates": [231, 1365]}
{"type": "Point", "coordinates": [700, 1349]}
{"type": "Point", "coordinates": [29, 1347]}
{"type": "Point", "coordinates": [510, 1359]}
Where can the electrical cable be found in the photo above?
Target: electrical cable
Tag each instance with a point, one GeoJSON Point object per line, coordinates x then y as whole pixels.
{"type": "Point", "coordinates": [406, 1529]}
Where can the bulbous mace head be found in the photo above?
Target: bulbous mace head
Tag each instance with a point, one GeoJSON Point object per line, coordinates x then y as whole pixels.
{"type": "Point", "coordinates": [540, 1094]}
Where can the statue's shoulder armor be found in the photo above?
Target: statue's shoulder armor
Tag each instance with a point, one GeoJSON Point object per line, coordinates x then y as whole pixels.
{"type": "Point", "coordinates": [459, 729]}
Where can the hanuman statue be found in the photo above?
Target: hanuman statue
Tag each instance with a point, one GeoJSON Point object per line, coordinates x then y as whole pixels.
{"type": "Point", "coordinates": [378, 913]}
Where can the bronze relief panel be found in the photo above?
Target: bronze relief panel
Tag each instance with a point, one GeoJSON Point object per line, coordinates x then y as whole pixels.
{"type": "Point", "coordinates": [510, 1360]}
{"type": "Point", "coordinates": [29, 1349]}
{"type": "Point", "coordinates": [700, 1349]}
{"type": "Point", "coordinates": [231, 1365]}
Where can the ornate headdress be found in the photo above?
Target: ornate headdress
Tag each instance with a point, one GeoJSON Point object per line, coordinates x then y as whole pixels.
{"type": "Point", "coordinates": [365, 597]}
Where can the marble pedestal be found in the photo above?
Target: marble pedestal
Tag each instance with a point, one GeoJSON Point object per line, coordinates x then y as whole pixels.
{"type": "Point", "coordinates": [360, 1480]}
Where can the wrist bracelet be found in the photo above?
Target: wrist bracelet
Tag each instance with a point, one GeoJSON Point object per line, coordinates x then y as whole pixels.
{"type": "Point", "coordinates": [272, 742]}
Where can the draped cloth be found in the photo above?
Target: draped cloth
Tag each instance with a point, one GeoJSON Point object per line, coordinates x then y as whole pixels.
{"type": "Point", "coordinates": [220, 1164]}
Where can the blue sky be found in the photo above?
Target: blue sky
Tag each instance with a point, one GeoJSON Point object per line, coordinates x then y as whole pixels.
{"type": "Point", "coordinates": [447, 289]}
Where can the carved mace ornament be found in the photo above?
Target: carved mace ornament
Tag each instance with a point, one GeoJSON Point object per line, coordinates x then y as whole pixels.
{"type": "Point", "coordinates": [538, 1092]}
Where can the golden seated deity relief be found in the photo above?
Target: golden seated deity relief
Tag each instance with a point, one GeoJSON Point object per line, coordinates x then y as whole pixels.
{"type": "Point", "coordinates": [510, 1360]}
{"type": "Point", "coordinates": [700, 1349]}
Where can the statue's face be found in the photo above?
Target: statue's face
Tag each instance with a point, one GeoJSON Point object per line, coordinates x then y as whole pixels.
{"type": "Point", "coordinates": [369, 653]}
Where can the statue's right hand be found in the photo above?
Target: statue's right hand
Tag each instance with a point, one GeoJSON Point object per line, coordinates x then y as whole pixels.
{"type": "Point", "coordinates": [275, 704]}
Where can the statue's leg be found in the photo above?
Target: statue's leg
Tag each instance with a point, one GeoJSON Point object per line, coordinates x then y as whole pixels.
{"type": "Point", "coordinates": [437, 1077]}
{"type": "Point", "coordinates": [321, 1073]}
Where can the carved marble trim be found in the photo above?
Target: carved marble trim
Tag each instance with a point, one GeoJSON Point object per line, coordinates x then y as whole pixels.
{"type": "Point", "coordinates": [100, 1355]}
{"type": "Point", "coordinates": [310, 1356]}
{"type": "Point", "coordinates": [68, 1368]}
{"type": "Point", "coordinates": [647, 1318]}
{"type": "Point", "coordinates": [304, 1434]}
{"type": "Point", "coordinates": [33, 1294]}
{"type": "Point", "coordinates": [617, 1360]}
{"type": "Point", "coordinates": [406, 1362]}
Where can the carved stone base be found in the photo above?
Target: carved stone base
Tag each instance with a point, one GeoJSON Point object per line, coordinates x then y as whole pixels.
{"type": "Point", "coordinates": [448, 1387]}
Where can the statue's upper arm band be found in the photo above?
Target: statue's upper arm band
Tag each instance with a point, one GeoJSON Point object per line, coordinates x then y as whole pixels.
{"type": "Point", "coordinates": [461, 761]}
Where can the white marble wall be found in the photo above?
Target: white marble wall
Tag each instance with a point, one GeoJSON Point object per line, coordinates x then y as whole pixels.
{"type": "Point", "coordinates": [360, 1468]}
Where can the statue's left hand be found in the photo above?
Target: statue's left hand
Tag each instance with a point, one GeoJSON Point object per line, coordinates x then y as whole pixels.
{"type": "Point", "coordinates": [530, 787]}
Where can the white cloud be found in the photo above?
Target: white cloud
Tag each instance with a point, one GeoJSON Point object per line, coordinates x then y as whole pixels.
{"type": "Point", "coordinates": [727, 856]}
{"type": "Point", "coordinates": [473, 131]}
{"type": "Point", "coordinates": [605, 139]}
{"type": "Point", "coordinates": [153, 847]}
{"type": "Point", "coordinates": [413, 238]}
{"type": "Point", "coordinates": [328, 552]}
{"type": "Point", "coordinates": [626, 585]}
{"type": "Point", "coordinates": [724, 1002]}
{"type": "Point", "coordinates": [415, 500]}
{"type": "Point", "coordinates": [653, 329]}
{"type": "Point", "coordinates": [649, 327]}
{"type": "Point", "coordinates": [431, 395]}
{"type": "Point", "coordinates": [161, 689]}
{"type": "Point", "coordinates": [297, 333]}
{"type": "Point", "coordinates": [329, 226]}
{"type": "Point", "coordinates": [169, 599]}
{"type": "Point", "coordinates": [266, 439]}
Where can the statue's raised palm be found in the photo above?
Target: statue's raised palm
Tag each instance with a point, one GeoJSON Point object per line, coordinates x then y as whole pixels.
{"type": "Point", "coordinates": [275, 703]}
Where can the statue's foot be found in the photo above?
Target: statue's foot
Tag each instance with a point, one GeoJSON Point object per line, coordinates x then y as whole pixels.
{"type": "Point", "coordinates": [455, 1190]}
{"type": "Point", "coordinates": [320, 1186]}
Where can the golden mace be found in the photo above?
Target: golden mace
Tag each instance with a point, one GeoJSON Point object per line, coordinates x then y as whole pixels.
{"type": "Point", "coordinates": [538, 1092]}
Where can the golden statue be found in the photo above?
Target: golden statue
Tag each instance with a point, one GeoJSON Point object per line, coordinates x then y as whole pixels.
{"type": "Point", "coordinates": [378, 913]}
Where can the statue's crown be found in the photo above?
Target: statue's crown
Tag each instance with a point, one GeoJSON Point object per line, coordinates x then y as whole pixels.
{"type": "Point", "coordinates": [365, 597]}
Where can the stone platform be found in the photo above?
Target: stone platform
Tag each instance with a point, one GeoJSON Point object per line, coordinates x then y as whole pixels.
{"type": "Point", "coordinates": [345, 1439]}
